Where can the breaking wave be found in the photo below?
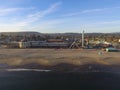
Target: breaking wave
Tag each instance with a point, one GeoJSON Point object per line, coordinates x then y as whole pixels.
{"type": "Point", "coordinates": [23, 69]}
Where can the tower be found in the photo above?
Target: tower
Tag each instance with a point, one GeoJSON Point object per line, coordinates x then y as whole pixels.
{"type": "Point", "coordinates": [83, 38]}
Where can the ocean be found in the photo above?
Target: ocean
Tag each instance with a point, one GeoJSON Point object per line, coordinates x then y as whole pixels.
{"type": "Point", "coordinates": [51, 80]}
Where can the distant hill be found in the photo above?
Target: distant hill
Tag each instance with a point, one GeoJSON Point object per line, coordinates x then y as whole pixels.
{"type": "Point", "coordinates": [20, 33]}
{"type": "Point", "coordinates": [29, 33]}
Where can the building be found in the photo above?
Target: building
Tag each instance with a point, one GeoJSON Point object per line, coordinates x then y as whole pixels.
{"type": "Point", "coordinates": [13, 44]}
{"type": "Point", "coordinates": [119, 40]}
{"type": "Point", "coordinates": [44, 44]}
{"type": "Point", "coordinates": [24, 45]}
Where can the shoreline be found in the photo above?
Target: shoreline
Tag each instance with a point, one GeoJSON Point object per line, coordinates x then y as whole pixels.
{"type": "Point", "coordinates": [64, 68]}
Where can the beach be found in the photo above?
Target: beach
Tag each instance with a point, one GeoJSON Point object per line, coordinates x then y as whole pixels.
{"type": "Point", "coordinates": [59, 69]}
{"type": "Point", "coordinates": [59, 59]}
{"type": "Point", "coordinates": [51, 57]}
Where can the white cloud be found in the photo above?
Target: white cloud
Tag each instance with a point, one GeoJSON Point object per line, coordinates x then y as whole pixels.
{"type": "Point", "coordinates": [30, 19]}
{"type": "Point", "coordinates": [7, 11]}
{"type": "Point", "coordinates": [106, 23]}
{"type": "Point", "coordinates": [38, 15]}
{"type": "Point", "coordinates": [91, 11]}
{"type": "Point", "coordinates": [43, 13]}
{"type": "Point", "coordinates": [48, 24]}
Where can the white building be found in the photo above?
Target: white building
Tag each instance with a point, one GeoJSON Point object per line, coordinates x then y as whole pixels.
{"type": "Point", "coordinates": [119, 40]}
{"type": "Point", "coordinates": [33, 44]}
{"type": "Point", "coordinates": [24, 44]}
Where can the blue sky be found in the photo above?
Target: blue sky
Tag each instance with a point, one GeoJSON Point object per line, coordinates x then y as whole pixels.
{"type": "Point", "coordinates": [59, 16]}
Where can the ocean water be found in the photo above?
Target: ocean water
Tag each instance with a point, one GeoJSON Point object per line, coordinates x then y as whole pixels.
{"type": "Point", "coordinates": [40, 80]}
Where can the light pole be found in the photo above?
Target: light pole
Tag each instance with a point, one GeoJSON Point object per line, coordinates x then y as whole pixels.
{"type": "Point", "coordinates": [83, 39]}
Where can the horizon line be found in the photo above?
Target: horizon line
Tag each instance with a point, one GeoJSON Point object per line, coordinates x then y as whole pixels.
{"type": "Point", "coordinates": [55, 32]}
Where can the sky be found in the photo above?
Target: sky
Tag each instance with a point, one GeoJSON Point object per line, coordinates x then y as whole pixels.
{"type": "Point", "coordinates": [60, 16]}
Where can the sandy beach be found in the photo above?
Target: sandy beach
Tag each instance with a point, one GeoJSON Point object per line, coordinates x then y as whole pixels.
{"type": "Point", "coordinates": [52, 57]}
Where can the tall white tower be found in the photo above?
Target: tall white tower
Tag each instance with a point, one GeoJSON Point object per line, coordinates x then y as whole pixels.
{"type": "Point", "coordinates": [83, 38]}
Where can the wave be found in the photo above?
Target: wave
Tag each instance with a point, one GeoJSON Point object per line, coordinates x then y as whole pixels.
{"type": "Point", "coordinates": [23, 69]}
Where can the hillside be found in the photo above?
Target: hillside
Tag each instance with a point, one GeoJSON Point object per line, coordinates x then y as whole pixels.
{"type": "Point", "coordinates": [20, 33]}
